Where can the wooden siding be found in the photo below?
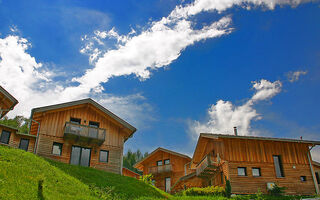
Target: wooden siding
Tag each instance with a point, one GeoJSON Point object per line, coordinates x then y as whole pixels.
{"type": "Point", "coordinates": [129, 173]}
{"type": "Point", "coordinates": [177, 171]}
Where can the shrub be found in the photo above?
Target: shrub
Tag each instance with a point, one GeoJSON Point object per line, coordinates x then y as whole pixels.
{"type": "Point", "coordinates": [276, 190]}
{"type": "Point", "coordinates": [228, 188]}
{"type": "Point", "coordinates": [146, 178]}
{"type": "Point", "coordinates": [207, 191]}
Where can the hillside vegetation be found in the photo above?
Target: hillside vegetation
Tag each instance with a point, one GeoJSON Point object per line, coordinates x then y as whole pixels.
{"type": "Point", "coordinates": [24, 175]}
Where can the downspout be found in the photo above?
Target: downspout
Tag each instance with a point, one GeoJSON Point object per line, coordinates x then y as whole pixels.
{"type": "Point", "coordinates": [312, 171]}
{"type": "Point", "coordinates": [37, 138]}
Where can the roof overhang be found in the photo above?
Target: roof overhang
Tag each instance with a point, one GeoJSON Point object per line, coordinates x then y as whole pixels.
{"type": "Point", "coordinates": [131, 129]}
{"type": "Point", "coordinates": [10, 98]}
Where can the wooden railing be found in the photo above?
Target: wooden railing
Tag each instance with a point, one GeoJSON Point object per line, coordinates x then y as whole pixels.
{"type": "Point", "coordinates": [160, 169]}
{"type": "Point", "coordinates": [208, 161]}
{"type": "Point", "coordinates": [77, 131]}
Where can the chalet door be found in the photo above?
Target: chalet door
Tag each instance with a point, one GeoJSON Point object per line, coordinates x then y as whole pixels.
{"type": "Point", "coordinates": [80, 156]}
{"type": "Point", "coordinates": [168, 184]}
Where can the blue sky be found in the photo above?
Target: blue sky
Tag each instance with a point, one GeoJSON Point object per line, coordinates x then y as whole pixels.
{"type": "Point", "coordinates": [170, 72]}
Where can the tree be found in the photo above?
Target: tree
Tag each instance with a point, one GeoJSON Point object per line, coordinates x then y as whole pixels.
{"type": "Point", "coordinates": [19, 122]}
{"type": "Point", "coordinates": [131, 158]}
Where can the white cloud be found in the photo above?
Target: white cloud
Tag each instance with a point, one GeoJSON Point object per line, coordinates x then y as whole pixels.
{"type": "Point", "coordinates": [294, 76]}
{"type": "Point", "coordinates": [223, 116]}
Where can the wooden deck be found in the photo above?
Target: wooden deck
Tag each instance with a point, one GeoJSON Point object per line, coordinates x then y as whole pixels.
{"type": "Point", "coordinates": [208, 166]}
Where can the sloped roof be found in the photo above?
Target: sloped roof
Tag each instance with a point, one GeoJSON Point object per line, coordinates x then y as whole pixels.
{"type": "Point", "coordinates": [85, 101]}
{"type": "Point", "coordinates": [160, 149]}
{"type": "Point", "coordinates": [11, 98]}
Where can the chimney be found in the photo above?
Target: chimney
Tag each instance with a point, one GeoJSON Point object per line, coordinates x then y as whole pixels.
{"type": "Point", "coordinates": [235, 131]}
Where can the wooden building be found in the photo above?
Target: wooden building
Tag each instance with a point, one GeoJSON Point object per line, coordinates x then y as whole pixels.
{"type": "Point", "coordinates": [166, 167]}
{"type": "Point", "coordinates": [79, 132]}
{"type": "Point", "coordinates": [252, 164]}
{"type": "Point", "coordinates": [316, 167]}
{"type": "Point", "coordinates": [130, 173]}
{"type": "Point", "coordinates": [7, 102]}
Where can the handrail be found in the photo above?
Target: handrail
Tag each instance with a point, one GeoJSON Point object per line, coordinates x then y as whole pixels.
{"type": "Point", "coordinates": [160, 169]}
{"type": "Point", "coordinates": [85, 131]}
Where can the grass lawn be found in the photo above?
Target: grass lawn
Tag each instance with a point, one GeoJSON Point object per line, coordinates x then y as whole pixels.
{"type": "Point", "coordinates": [20, 173]}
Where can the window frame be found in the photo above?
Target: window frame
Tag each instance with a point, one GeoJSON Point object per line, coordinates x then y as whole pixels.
{"type": "Point", "coordinates": [75, 120]}
{"type": "Point", "coordinates": [280, 166]}
{"type": "Point", "coordinates": [93, 126]}
{"type": "Point", "coordinates": [58, 144]}
{"type": "Point", "coordinates": [259, 170]}
{"type": "Point", "coordinates": [164, 162]}
{"type": "Point", "coordinates": [158, 162]}
{"type": "Point", "coordinates": [245, 171]}
{"type": "Point", "coordinates": [27, 144]}
{"type": "Point", "coordinates": [8, 139]}
{"type": "Point", "coordinates": [303, 178]}
{"type": "Point", "coordinates": [107, 156]}
{"type": "Point", "coordinates": [317, 177]}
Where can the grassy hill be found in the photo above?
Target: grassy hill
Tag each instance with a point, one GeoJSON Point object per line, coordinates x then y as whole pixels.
{"type": "Point", "coordinates": [21, 175]}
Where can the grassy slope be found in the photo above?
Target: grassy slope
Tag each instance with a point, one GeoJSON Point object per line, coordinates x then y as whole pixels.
{"type": "Point", "coordinates": [21, 171]}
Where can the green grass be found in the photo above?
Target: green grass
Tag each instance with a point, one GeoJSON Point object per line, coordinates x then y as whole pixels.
{"type": "Point", "coordinates": [20, 173]}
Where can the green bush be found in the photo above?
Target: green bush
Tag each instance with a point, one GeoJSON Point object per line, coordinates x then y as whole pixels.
{"type": "Point", "coordinates": [276, 190]}
{"type": "Point", "coordinates": [207, 191]}
{"type": "Point", "coordinates": [146, 178]}
{"type": "Point", "coordinates": [228, 188]}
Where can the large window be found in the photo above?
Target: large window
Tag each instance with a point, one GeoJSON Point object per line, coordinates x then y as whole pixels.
{"type": "Point", "coordinates": [256, 171]}
{"type": "Point", "coordinates": [75, 120]}
{"type": "Point", "coordinates": [5, 137]}
{"type": "Point", "coordinates": [57, 149]}
{"type": "Point", "coordinates": [167, 162]}
{"type": "Point", "coordinates": [159, 163]}
{"type": "Point", "coordinates": [24, 144]}
{"type": "Point", "coordinates": [80, 156]}
{"type": "Point", "coordinates": [278, 166]}
{"type": "Point", "coordinates": [242, 171]}
{"type": "Point", "coordinates": [104, 156]}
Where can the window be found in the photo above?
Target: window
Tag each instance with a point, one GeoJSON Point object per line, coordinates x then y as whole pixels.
{"type": "Point", "coordinates": [167, 162]}
{"type": "Point", "coordinates": [256, 171]}
{"type": "Point", "coordinates": [75, 120]}
{"type": "Point", "coordinates": [57, 149]}
{"type": "Point", "coordinates": [5, 137]}
{"type": "Point", "coordinates": [303, 178]}
{"type": "Point", "coordinates": [222, 177]}
{"type": "Point", "coordinates": [317, 177]}
{"type": "Point", "coordinates": [104, 156]}
{"type": "Point", "coordinates": [24, 144]}
{"type": "Point", "coordinates": [167, 184]}
{"type": "Point", "coordinates": [94, 124]}
{"type": "Point", "coordinates": [278, 166]}
{"type": "Point", "coordinates": [159, 163]}
{"type": "Point", "coordinates": [242, 171]}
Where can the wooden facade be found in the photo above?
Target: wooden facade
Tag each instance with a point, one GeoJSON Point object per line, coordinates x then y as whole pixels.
{"type": "Point", "coordinates": [7, 102]}
{"type": "Point", "coordinates": [130, 173]}
{"type": "Point", "coordinates": [316, 167]}
{"type": "Point", "coordinates": [249, 163]}
{"type": "Point", "coordinates": [165, 175]}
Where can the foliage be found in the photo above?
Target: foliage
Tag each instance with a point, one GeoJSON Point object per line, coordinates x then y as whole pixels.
{"type": "Point", "coordinates": [147, 178]}
{"type": "Point", "coordinates": [131, 158]}
{"type": "Point", "coordinates": [207, 191]}
{"type": "Point", "coordinates": [276, 190]}
{"type": "Point", "coordinates": [24, 175]}
{"type": "Point", "coordinates": [19, 122]}
{"type": "Point", "coordinates": [259, 195]}
{"type": "Point", "coordinates": [228, 188]}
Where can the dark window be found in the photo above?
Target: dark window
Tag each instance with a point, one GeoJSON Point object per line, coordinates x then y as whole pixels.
{"type": "Point", "coordinates": [159, 163]}
{"type": "Point", "coordinates": [57, 149]}
{"type": "Point", "coordinates": [167, 162]}
{"type": "Point", "coordinates": [222, 177]}
{"type": "Point", "coordinates": [256, 171]}
{"type": "Point", "coordinates": [104, 156]}
{"type": "Point", "coordinates": [80, 156]}
{"type": "Point", "coordinates": [75, 120]}
{"type": "Point", "coordinates": [5, 137]}
{"type": "Point", "coordinates": [24, 144]}
{"type": "Point", "coordinates": [303, 178]}
{"type": "Point", "coordinates": [317, 177]}
{"type": "Point", "coordinates": [94, 124]}
{"type": "Point", "coordinates": [278, 166]}
{"type": "Point", "coordinates": [242, 171]}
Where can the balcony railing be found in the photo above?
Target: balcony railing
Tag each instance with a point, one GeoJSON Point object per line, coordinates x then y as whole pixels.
{"type": "Point", "coordinates": [208, 165]}
{"type": "Point", "coordinates": [160, 169]}
{"type": "Point", "coordinates": [84, 133]}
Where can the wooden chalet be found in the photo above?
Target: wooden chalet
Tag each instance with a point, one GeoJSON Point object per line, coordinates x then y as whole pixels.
{"type": "Point", "coordinates": [7, 102]}
{"type": "Point", "coordinates": [166, 167]}
{"type": "Point", "coordinates": [316, 167]}
{"type": "Point", "coordinates": [252, 164]}
{"type": "Point", "coordinates": [130, 173]}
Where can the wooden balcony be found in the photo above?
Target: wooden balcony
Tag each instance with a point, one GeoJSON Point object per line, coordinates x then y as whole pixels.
{"type": "Point", "coordinates": [82, 133]}
{"type": "Point", "coordinates": [208, 166]}
{"type": "Point", "coordinates": [163, 169]}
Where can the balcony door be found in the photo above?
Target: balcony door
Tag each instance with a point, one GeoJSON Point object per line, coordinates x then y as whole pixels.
{"type": "Point", "coordinates": [80, 156]}
{"type": "Point", "coordinates": [168, 184]}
